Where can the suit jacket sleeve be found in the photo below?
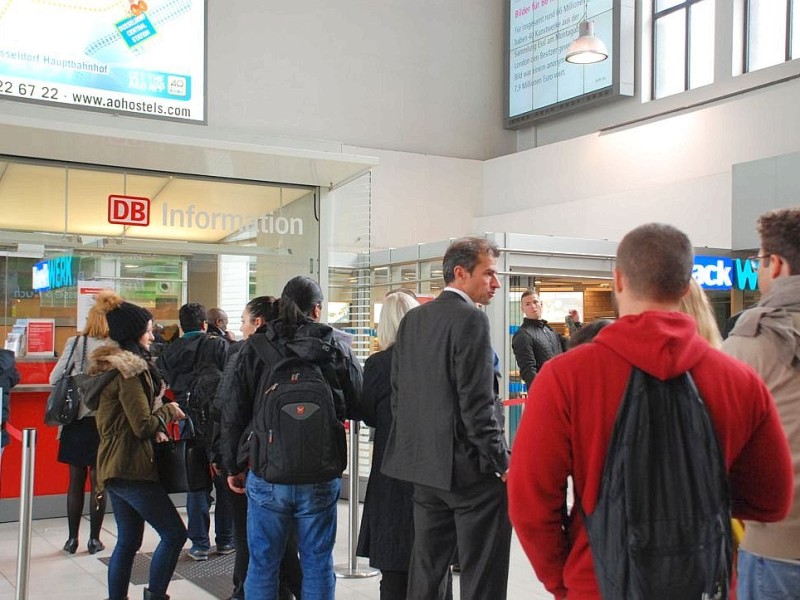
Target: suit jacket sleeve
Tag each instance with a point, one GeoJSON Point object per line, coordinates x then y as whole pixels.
{"type": "Point", "coordinates": [522, 345]}
{"type": "Point", "coordinates": [474, 368]}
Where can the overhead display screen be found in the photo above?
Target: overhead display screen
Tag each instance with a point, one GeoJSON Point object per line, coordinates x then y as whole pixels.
{"type": "Point", "coordinates": [540, 80]}
{"type": "Point", "coordinates": [144, 57]}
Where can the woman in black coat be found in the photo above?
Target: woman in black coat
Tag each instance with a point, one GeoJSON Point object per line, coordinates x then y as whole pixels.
{"type": "Point", "coordinates": [387, 524]}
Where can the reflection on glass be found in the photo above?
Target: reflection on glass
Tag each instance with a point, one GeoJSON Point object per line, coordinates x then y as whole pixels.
{"type": "Point", "coordinates": [665, 4]}
{"type": "Point", "coordinates": [701, 59]}
{"type": "Point", "coordinates": [670, 54]}
{"type": "Point", "coordinates": [766, 34]}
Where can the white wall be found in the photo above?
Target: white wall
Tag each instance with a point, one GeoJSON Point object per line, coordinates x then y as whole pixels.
{"type": "Point", "coordinates": [410, 76]}
{"type": "Point", "coordinates": [419, 85]}
{"type": "Point", "coordinates": [677, 170]}
{"type": "Point", "coordinates": [422, 198]}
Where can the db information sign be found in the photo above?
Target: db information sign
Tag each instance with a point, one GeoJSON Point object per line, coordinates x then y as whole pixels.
{"type": "Point", "coordinates": [129, 210]}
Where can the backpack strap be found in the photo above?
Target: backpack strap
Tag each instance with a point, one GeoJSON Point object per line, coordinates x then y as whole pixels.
{"type": "Point", "coordinates": [264, 346]}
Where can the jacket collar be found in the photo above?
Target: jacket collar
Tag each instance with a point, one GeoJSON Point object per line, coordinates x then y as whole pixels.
{"type": "Point", "coordinates": [463, 295]}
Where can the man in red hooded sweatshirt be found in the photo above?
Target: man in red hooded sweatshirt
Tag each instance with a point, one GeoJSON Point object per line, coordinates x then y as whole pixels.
{"type": "Point", "coordinates": [572, 406]}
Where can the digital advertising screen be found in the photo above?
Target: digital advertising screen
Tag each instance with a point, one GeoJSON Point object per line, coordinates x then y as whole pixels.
{"type": "Point", "coordinates": [143, 58]}
{"type": "Point", "coordinates": [540, 80]}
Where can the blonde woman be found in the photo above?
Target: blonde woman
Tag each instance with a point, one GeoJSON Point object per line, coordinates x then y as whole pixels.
{"type": "Point", "coordinates": [696, 304]}
{"type": "Point", "coordinates": [78, 441]}
{"type": "Point", "coordinates": [387, 528]}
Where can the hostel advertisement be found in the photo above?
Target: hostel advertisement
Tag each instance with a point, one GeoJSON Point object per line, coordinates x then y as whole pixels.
{"type": "Point", "coordinates": [143, 57]}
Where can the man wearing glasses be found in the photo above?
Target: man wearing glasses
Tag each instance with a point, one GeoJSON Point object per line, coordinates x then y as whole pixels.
{"type": "Point", "coordinates": [535, 342]}
{"type": "Point", "coordinates": [767, 337]}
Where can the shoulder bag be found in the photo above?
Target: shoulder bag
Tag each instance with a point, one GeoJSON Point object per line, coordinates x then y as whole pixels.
{"type": "Point", "coordinates": [62, 403]}
{"type": "Point", "coordinates": [182, 464]}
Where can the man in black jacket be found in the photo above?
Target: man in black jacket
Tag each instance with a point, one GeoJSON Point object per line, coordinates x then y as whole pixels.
{"type": "Point", "coordinates": [178, 364]}
{"type": "Point", "coordinates": [535, 342]}
{"type": "Point", "coordinates": [445, 436]}
{"type": "Point", "coordinates": [9, 377]}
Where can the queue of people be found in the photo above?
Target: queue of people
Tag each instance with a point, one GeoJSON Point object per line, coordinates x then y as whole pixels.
{"type": "Point", "coordinates": [445, 487]}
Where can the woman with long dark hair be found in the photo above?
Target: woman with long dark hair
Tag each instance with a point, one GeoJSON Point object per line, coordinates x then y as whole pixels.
{"type": "Point", "coordinates": [128, 426]}
{"type": "Point", "coordinates": [275, 508]}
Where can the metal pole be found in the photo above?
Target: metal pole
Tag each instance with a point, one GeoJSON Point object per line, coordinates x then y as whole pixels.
{"type": "Point", "coordinates": [351, 570]}
{"type": "Point", "coordinates": [25, 512]}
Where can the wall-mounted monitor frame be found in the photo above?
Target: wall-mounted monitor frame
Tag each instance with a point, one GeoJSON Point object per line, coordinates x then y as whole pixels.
{"type": "Point", "coordinates": [145, 58]}
{"type": "Point", "coordinates": [539, 83]}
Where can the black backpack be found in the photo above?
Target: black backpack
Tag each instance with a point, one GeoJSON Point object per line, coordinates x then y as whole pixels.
{"type": "Point", "coordinates": [296, 437]}
{"type": "Point", "coordinates": [202, 389]}
{"type": "Point", "coordinates": [662, 526]}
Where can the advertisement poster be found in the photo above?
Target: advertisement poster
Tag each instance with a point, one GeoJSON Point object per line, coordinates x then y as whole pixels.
{"type": "Point", "coordinates": [41, 337]}
{"type": "Point", "coordinates": [541, 31]}
{"type": "Point", "coordinates": [144, 57]}
{"type": "Point", "coordinates": [86, 293]}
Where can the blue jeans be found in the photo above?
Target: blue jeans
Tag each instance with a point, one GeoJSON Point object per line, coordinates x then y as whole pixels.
{"type": "Point", "coordinates": [272, 510]}
{"type": "Point", "coordinates": [135, 502]}
{"type": "Point", "coordinates": [198, 505]}
{"type": "Point", "coordinates": [761, 578]}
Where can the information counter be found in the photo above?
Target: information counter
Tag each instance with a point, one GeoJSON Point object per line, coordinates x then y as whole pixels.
{"type": "Point", "coordinates": [27, 401]}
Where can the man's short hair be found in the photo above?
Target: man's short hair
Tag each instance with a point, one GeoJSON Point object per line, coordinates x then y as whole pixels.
{"type": "Point", "coordinates": [780, 234]}
{"type": "Point", "coordinates": [466, 253]}
{"type": "Point", "coordinates": [191, 316]}
{"type": "Point", "coordinates": [657, 261]}
{"type": "Point", "coordinates": [526, 293]}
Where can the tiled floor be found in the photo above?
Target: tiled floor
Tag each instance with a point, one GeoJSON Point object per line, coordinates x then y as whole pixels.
{"type": "Point", "coordinates": [56, 575]}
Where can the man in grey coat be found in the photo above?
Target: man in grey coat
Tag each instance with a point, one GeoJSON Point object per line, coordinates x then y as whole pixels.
{"type": "Point", "coordinates": [767, 337]}
{"type": "Point", "coordinates": [445, 436]}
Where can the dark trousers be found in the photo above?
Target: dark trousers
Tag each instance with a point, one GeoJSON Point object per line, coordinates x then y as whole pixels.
{"type": "Point", "coordinates": [473, 520]}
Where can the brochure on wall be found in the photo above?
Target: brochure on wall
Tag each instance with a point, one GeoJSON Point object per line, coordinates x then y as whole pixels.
{"type": "Point", "coordinates": [41, 337]}
{"type": "Point", "coordinates": [86, 293]}
{"type": "Point", "coordinates": [14, 343]}
{"type": "Point", "coordinates": [15, 340]}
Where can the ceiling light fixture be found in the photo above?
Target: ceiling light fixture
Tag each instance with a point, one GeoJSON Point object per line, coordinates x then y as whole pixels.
{"type": "Point", "coordinates": [588, 48]}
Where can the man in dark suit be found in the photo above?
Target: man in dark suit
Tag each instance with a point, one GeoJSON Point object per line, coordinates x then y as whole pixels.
{"type": "Point", "coordinates": [446, 438]}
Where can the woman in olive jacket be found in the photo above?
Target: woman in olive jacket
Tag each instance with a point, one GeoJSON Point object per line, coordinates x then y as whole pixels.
{"type": "Point", "coordinates": [128, 426]}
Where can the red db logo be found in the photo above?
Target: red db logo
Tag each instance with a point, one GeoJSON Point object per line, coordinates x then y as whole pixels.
{"type": "Point", "coordinates": [129, 210]}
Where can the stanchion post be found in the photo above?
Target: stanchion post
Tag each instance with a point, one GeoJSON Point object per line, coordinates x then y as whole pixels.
{"type": "Point", "coordinates": [351, 570]}
{"type": "Point", "coordinates": [25, 512]}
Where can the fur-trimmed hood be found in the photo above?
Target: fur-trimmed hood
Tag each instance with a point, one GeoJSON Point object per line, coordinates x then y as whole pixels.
{"type": "Point", "coordinates": [111, 356]}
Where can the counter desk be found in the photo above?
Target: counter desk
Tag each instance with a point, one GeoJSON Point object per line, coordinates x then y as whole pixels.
{"type": "Point", "coordinates": [27, 402]}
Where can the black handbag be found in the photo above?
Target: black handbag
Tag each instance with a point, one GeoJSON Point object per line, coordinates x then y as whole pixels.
{"type": "Point", "coordinates": [182, 464]}
{"type": "Point", "coordinates": [62, 403]}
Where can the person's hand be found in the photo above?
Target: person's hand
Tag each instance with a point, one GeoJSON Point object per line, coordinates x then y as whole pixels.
{"type": "Point", "coordinates": [160, 395]}
{"type": "Point", "coordinates": [216, 469]}
{"type": "Point", "coordinates": [161, 437]}
{"type": "Point", "coordinates": [237, 482]}
{"type": "Point", "coordinates": [179, 415]}
{"type": "Point", "coordinates": [504, 477]}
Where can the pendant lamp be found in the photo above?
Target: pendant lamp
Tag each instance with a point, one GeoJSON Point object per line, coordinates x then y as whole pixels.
{"type": "Point", "coordinates": [587, 49]}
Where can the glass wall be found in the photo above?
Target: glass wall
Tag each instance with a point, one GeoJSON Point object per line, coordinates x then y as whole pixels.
{"type": "Point", "coordinates": [159, 239]}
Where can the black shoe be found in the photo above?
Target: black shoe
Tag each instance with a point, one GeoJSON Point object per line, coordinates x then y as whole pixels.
{"type": "Point", "coordinates": [148, 595]}
{"type": "Point", "coordinates": [95, 546]}
{"type": "Point", "coordinates": [71, 546]}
